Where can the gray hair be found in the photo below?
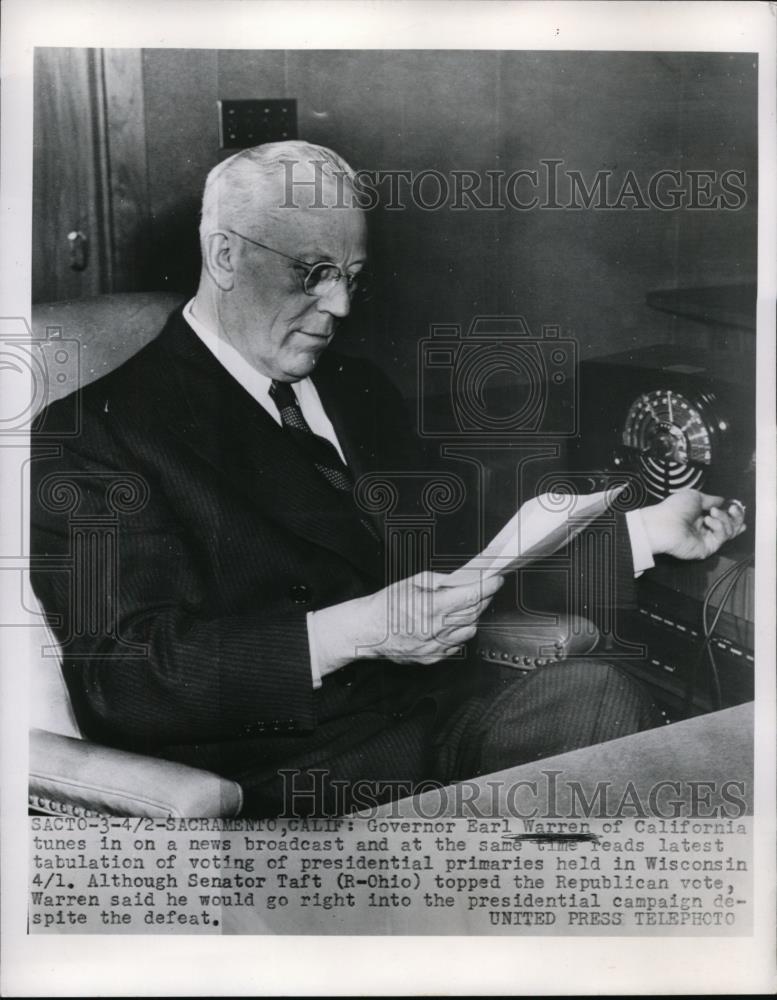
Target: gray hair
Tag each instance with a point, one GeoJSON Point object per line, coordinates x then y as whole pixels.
{"type": "Point", "coordinates": [232, 186]}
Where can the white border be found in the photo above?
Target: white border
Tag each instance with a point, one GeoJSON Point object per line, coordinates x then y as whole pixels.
{"type": "Point", "coordinates": [207, 966]}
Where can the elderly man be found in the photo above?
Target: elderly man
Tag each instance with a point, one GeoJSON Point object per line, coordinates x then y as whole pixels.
{"type": "Point", "coordinates": [250, 625]}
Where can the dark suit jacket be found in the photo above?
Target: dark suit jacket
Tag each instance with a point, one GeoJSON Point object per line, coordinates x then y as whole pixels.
{"type": "Point", "coordinates": [180, 599]}
{"type": "Point", "coordinates": [238, 538]}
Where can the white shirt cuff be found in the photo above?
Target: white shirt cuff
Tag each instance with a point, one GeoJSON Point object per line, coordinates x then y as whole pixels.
{"type": "Point", "coordinates": [315, 669]}
{"type": "Point", "coordinates": [640, 546]}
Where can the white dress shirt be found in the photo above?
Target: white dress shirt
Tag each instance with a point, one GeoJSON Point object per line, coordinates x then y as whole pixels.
{"type": "Point", "coordinates": [640, 546]}
{"type": "Point", "coordinates": [258, 385]}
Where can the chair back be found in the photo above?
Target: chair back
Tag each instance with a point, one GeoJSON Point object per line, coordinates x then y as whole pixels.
{"type": "Point", "coordinates": [82, 339]}
{"type": "Point", "coordinates": [50, 706]}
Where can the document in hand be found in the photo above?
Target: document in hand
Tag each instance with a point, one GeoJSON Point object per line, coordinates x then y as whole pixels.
{"type": "Point", "coordinates": [539, 528]}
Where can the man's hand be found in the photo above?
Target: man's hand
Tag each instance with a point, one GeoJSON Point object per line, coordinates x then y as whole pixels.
{"type": "Point", "coordinates": [416, 620]}
{"type": "Point", "coordinates": [691, 525]}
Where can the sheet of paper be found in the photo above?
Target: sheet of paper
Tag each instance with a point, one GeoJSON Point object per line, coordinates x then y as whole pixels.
{"type": "Point", "coordinates": [539, 528]}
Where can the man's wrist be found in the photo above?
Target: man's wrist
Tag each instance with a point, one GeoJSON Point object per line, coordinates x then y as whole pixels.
{"type": "Point", "coordinates": [315, 656]}
{"type": "Point", "coordinates": [641, 543]}
{"type": "Point", "coordinates": [652, 532]}
{"type": "Point", "coordinates": [335, 638]}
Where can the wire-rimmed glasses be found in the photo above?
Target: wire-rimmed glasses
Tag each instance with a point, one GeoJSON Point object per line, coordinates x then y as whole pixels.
{"type": "Point", "coordinates": [321, 278]}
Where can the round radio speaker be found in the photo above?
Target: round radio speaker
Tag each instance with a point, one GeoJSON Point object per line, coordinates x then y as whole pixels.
{"type": "Point", "coordinates": [672, 440]}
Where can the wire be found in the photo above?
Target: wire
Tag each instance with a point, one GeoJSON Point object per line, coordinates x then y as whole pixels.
{"type": "Point", "coordinates": [733, 575]}
{"type": "Point", "coordinates": [740, 568]}
{"type": "Point", "coordinates": [735, 570]}
{"type": "Point", "coordinates": [709, 631]}
{"type": "Point", "coordinates": [690, 688]}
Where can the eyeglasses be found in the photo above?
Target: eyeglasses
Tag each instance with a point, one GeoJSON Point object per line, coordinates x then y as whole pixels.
{"type": "Point", "coordinates": [321, 278]}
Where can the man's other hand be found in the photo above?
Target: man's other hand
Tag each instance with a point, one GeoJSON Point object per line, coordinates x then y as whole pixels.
{"type": "Point", "coordinates": [421, 620]}
{"type": "Point", "coordinates": [416, 620]}
{"type": "Point", "coordinates": [691, 525]}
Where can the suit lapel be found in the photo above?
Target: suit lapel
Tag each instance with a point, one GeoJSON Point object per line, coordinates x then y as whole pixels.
{"type": "Point", "coordinates": [223, 424]}
{"type": "Point", "coordinates": [351, 418]}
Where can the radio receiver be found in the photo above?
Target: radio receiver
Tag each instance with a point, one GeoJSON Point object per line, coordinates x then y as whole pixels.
{"type": "Point", "coordinates": [676, 418]}
{"type": "Point", "coordinates": [680, 419]}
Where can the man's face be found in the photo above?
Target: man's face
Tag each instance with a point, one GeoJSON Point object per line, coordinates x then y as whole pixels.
{"type": "Point", "coordinates": [267, 316]}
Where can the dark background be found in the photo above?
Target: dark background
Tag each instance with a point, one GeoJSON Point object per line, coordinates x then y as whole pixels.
{"type": "Point", "coordinates": [124, 139]}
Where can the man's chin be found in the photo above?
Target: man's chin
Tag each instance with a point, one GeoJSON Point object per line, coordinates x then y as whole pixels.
{"type": "Point", "coordinates": [304, 362]}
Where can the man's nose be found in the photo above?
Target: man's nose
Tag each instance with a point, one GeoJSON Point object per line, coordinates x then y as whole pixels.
{"type": "Point", "coordinates": [337, 301]}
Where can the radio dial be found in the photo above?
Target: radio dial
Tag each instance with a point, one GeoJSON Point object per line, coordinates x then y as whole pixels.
{"type": "Point", "coordinates": [671, 439]}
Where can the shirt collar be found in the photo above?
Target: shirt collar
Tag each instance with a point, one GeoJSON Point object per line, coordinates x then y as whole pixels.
{"type": "Point", "coordinates": [254, 382]}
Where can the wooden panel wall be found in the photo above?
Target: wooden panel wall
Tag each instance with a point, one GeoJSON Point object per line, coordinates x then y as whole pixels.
{"type": "Point", "coordinates": [180, 93]}
{"type": "Point", "coordinates": [90, 172]}
{"type": "Point", "coordinates": [126, 168]}
{"type": "Point", "coordinates": [67, 189]}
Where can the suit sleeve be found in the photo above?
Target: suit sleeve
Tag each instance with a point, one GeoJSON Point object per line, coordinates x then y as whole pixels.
{"type": "Point", "coordinates": [147, 660]}
{"type": "Point", "coordinates": [602, 579]}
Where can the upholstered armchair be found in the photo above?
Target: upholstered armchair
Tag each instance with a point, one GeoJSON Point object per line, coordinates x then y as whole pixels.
{"type": "Point", "coordinates": [72, 775]}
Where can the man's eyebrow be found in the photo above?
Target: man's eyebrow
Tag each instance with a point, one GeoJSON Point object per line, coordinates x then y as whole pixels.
{"type": "Point", "coordinates": [315, 254]}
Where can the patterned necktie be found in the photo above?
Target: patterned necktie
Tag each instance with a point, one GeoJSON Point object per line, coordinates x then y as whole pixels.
{"type": "Point", "coordinates": [322, 452]}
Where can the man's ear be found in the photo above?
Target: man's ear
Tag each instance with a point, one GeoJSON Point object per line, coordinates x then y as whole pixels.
{"type": "Point", "coordinates": [219, 260]}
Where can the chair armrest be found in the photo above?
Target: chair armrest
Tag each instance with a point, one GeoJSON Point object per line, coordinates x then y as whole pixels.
{"type": "Point", "coordinates": [526, 642]}
{"type": "Point", "coordinates": [80, 778]}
